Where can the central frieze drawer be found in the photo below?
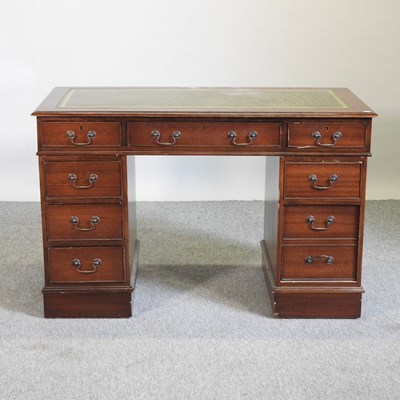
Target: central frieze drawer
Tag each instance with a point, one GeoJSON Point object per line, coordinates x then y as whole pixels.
{"type": "Point", "coordinates": [86, 264]}
{"type": "Point", "coordinates": [84, 222]}
{"type": "Point", "coordinates": [83, 179]}
{"type": "Point", "coordinates": [322, 179]}
{"type": "Point", "coordinates": [155, 133]}
{"type": "Point", "coordinates": [319, 263]}
{"type": "Point", "coordinates": [321, 222]}
{"type": "Point", "coordinates": [81, 135]}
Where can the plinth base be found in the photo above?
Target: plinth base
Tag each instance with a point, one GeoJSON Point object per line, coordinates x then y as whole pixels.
{"type": "Point", "coordinates": [310, 301]}
{"type": "Point", "coordinates": [112, 303]}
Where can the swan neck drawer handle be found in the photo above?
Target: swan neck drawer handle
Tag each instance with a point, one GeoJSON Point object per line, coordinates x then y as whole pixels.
{"type": "Point", "coordinates": [232, 135]}
{"type": "Point", "coordinates": [335, 137]}
{"type": "Point", "coordinates": [74, 179]}
{"type": "Point", "coordinates": [93, 222]}
{"type": "Point", "coordinates": [309, 260]}
{"type": "Point", "coordinates": [72, 136]}
{"type": "Point", "coordinates": [76, 263]}
{"type": "Point", "coordinates": [331, 181]}
{"type": "Point", "coordinates": [328, 222]}
{"type": "Point", "coordinates": [156, 138]}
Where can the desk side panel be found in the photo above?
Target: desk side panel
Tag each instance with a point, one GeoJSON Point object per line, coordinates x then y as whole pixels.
{"type": "Point", "coordinates": [271, 210]}
{"type": "Point", "coordinates": [134, 244]}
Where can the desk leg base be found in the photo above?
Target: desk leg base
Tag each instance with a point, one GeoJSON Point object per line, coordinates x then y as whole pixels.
{"type": "Point", "coordinates": [310, 301]}
{"type": "Point", "coordinates": [317, 305]}
{"type": "Point", "coordinates": [87, 304]}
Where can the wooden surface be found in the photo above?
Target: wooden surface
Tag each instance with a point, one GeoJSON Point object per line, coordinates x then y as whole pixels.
{"type": "Point", "coordinates": [203, 101]}
{"type": "Point", "coordinates": [320, 139]}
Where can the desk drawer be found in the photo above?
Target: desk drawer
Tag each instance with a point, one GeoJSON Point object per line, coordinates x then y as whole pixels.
{"type": "Point", "coordinates": [321, 222]}
{"type": "Point", "coordinates": [86, 265]}
{"type": "Point", "coordinates": [226, 134]}
{"type": "Point", "coordinates": [81, 135]}
{"type": "Point", "coordinates": [84, 222]}
{"type": "Point", "coordinates": [319, 263]}
{"type": "Point", "coordinates": [322, 180]}
{"type": "Point", "coordinates": [325, 134]}
{"type": "Point", "coordinates": [82, 179]}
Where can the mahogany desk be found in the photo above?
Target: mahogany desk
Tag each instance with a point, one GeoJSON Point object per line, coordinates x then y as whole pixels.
{"type": "Point", "coordinates": [316, 142]}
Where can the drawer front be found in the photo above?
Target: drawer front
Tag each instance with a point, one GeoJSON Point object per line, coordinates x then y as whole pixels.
{"type": "Point", "coordinates": [84, 222]}
{"type": "Point", "coordinates": [322, 180]}
{"type": "Point", "coordinates": [320, 222]}
{"type": "Point", "coordinates": [83, 179]}
{"type": "Point", "coordinates": [319, 263]}
{"type": "Point", "coordinates": [307, 134]}
{"type": "Point", "coordinates": [81, 135]}
{"type": "Point", "coordinates": [227, 134]}
{"type": "Point", "coordinates": [86, 264]}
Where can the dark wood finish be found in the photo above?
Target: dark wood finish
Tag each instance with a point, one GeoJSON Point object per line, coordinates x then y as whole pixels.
{"type": "Point", "coordinates": [107, 291]}
{"type": "Point", "coordinates": [204, 133]}
{"type": "Point", "coordinates": [294, 266]}
{"type": "Point", "coordinates": [87, 304]}
{"type": "Point", "coordinates": [111, 270]}
{"type": "Point", "coordinates": [55, 134]}
{"type": "Point", "coordinates": [320, 176]}
{"type": "Point", "coordinates": [271, 209]}
{"type": "Point", "coordinates": [108, 183]}
{"type": "Point", "coordinates": [298, 184]}
{"type": "Point", "coordinates": [302, 301]}
{"type": "Point", "coordinates": [353, 134]}
{"type": "Point", "coordinates": [345, 225]}
{"type": "Point", "coordinates": [318, 305]}
{"type": "Point", "coordinates": [60, 227]}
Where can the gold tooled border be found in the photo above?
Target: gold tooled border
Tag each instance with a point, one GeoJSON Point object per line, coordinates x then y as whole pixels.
{"type": "Point", "coordinates": [67, 97]}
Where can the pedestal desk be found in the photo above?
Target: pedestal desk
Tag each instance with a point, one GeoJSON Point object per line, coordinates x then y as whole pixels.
{"type": "Point", "coordinates": [316, 142]}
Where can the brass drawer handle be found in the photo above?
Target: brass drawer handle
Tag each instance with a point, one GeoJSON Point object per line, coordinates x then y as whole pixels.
{"type": "Point", "coordinates": [93, 222]}
{"type": "Point", "coordinates": [309, 260]}
{"type": "Point", "coordinates": [156, 138]}
{"type": "Point", "coordinates": [331, 181]}
{"type": "Point", "coordinates": [73, 179]}
{"type": "Point", "coordinates": [90, 135]}
{"type": "Point", "coordinates": [335, 137]}
{"type": "Point", "coordinates": [328, 222]}
{"type": "Point", "coordinates": [76, 262]}
{"type": "Point", "coordinates": [232, 135]}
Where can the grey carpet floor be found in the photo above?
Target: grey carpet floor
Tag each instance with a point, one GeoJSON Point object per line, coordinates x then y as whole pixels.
{"type": "Point", "coordinates": [202, 327]}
